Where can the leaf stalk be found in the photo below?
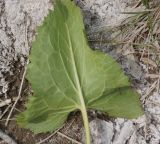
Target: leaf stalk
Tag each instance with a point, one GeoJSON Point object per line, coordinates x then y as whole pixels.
{"type": "Point", "coordinates": [86, 125]}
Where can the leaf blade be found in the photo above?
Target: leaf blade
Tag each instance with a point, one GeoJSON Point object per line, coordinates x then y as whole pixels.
{"type": "Point", "coordinates": [70, 75]}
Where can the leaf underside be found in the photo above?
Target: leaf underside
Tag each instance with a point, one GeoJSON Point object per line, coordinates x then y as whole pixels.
{"type": "Point", "coordinates": [65, 73]}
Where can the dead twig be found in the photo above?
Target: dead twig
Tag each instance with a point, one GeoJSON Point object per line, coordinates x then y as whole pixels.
{"type": "Point", "coordinates": [70, 139]}
{"type": "Point", "coordinates": [152, 76]}
{"type": "Point", "coordinates": [153, 86]}
{"type": "Point", "coordinates": [47, 138]}
{"type": "Point", "coordinates": [61, 134]}
{"type": "Point", "coordinates": [5, 111]}
{"type": "Point", "coordinates": [19, 93]}
{"type": "Point", "coordinates": [6, 138]}
{"type": "Point", "coordinates": [57, 132]}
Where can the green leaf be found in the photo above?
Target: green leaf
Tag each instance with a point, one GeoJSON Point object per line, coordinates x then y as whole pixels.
{"type": "Point", "coordinates": [146, 3]}
{"type": "Point", "coordinates": [66, 75]}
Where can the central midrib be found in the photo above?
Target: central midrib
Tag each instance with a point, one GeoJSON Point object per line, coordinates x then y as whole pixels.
{"type": "Point", "coordinates": [75, 70]}
{"type": "Point", "coordinates": [82, 106]}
